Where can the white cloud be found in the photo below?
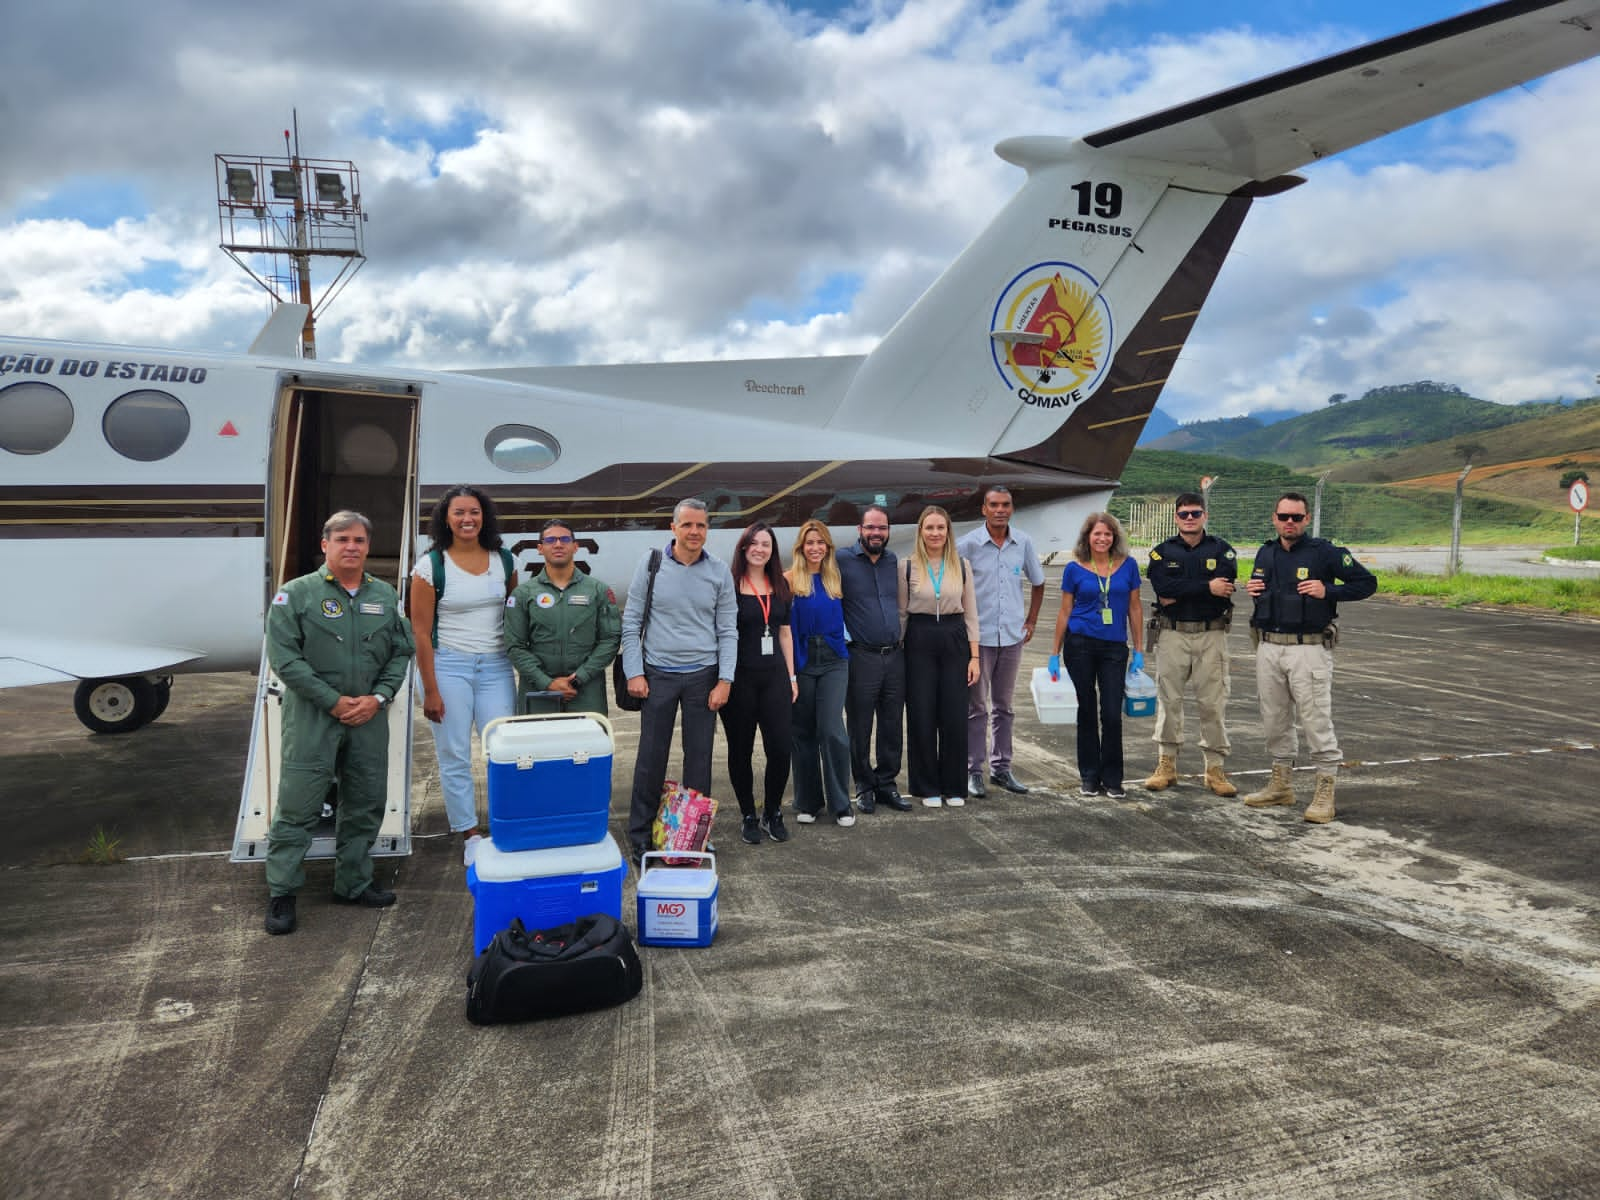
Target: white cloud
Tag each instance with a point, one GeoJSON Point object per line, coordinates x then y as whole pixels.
{"type": "Point", "coordinates": [649, 182]}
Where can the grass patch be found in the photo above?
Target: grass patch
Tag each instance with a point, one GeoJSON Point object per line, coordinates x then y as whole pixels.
{"type": "Point", "coordinates": [103, 849]}
{"type": "Point", "coordinates": [1574, 553]}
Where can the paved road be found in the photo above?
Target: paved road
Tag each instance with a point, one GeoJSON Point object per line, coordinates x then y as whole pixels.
{"type": "Point", "coordinates": [1168, 997]}
{"type": "Point", "coordinates": [1525, 561]}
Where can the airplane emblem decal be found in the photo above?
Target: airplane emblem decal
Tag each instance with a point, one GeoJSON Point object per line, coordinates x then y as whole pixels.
{"type": "Point", "coordinates": [1051, 335]}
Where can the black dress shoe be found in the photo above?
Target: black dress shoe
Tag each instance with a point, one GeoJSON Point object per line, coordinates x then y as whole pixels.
{"type": "Point", "coordinates": [280, 914]}
{"type": "Point", "coordinates": [891, 798]}
{"type": "Point", "coordinates": [373, 897]}
{"type": "Point", "coordinates": [866, 802]}
{"type": "Point", "coordinates": [975, 787]}
{"type": "Point", "coordinates": [1008, 781]}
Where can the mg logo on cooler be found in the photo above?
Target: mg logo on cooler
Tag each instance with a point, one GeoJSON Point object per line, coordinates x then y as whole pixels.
{"type": "Point", "coordinates": [671, 908]}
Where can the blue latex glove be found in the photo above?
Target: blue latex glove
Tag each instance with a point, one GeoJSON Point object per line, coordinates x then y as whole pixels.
{"type": "Point", "coordinates": [1055, 668]}
{"type": "Point", "coordinates": [1137, 662]}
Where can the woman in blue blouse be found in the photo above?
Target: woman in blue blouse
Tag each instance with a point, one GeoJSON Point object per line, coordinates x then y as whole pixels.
{"type": "Point", "coordinates": [821, 745]}
{"type": "Point", "coordinates": [1100, 609]}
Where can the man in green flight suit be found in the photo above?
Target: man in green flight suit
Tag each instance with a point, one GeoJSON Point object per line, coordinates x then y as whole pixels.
{"type": "Point", "coordinates": [563, 627]}
{"type": "Point", "coordinates": [338, 641]}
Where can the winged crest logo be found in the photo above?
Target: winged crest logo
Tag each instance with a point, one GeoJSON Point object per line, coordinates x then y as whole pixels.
{"type": "Point", "coordinates": [1050, 334]}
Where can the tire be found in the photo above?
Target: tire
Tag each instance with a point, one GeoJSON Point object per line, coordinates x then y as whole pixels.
{"type": "Point", "coordinates": [115, 705]}
{"type": "Point", "coordinates": [163, 696]}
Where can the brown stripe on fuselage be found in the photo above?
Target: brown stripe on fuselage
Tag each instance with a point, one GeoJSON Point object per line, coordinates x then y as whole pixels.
{"type": "Point", "coordinates": [142, 511]}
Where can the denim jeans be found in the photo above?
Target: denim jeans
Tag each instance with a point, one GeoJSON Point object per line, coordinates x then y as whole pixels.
{"type": "Point", "coordinates": [475, 688]}
{"type": "Point", "coordinates": [821, 744]}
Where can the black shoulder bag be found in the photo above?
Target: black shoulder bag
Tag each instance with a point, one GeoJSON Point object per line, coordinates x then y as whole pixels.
{"type": "Point", "coordinates": [619, 677]}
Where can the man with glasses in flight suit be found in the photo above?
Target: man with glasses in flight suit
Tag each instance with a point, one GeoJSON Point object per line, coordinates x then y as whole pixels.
{"type": "Point", "coordinates": [1297, 584]}
{"type": "Point", "coordinates": [563, 627]}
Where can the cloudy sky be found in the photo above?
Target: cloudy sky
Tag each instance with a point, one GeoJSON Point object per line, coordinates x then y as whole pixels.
{"type": "Point", "coordinates": [561, 181]}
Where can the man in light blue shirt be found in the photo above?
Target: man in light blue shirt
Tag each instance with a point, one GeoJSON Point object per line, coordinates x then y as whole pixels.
{"type": "Point", "coordinates": [1001, 558]}
{"type": "Point", "coordinates": [684, 659]}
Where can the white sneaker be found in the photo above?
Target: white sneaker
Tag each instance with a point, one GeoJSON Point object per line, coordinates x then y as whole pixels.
{"type": "Point", "coordinates": [469, 849]}
{"type": "Point", "coordinates": [955, 801]}
{"type": "Point", "coordinates": [845, 820]}
{"type": "Point", "coordinates": [931, 802]}
{"type": "Point", "coordinates": [806, 818]}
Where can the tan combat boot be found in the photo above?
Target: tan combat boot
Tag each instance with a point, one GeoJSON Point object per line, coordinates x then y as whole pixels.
{"type": "Point", "coordinates": [1166, 774]}
{"type": "Point", "coordinates": [1320, 810]}
{"type": "Point", "coordinates": [1279, 789]}
{"type": "Point", "coordinates": [1218, 782]}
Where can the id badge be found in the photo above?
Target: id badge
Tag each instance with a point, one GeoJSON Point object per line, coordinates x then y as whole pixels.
{"type": "Point", "coordinates": [766, 643]}
{"type": "Point", "coordinates": [1105, 616]}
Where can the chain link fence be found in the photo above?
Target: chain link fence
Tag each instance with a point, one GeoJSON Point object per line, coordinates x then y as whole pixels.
{"type": "Point", "coordinates": [1243, 515]}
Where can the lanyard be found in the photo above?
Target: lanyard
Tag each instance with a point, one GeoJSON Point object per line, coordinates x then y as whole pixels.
{"type": "Point", "coordinates": [765, 600]}
{"type": "Point", "coordinates": [1105, 583]}
{"type": "Point", "coordinates": [938, 582]}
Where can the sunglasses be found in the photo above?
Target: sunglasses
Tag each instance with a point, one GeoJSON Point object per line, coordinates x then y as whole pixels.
{"type": "Point", "coordinates": [557, 539]}
{"type": "Point", "coordinates": [1290, 517]}
{"type": "Point", "coordinates": [1189, 514]}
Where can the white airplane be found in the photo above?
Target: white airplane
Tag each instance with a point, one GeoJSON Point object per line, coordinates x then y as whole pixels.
{"type": "Point", "coordinates": [198, 482]}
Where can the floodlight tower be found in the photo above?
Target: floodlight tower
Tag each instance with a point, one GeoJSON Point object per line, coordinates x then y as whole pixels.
{"type": "Point", "coordinates": [277, 214]}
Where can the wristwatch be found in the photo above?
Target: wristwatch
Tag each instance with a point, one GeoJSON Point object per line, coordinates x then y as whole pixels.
{"type": "Point", "coordinates": [382, 703]}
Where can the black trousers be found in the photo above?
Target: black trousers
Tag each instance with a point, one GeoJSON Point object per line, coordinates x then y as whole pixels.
{"type": "Point", "coordinates": [877, 693]}
{"type": "Point", "coordinates": [1097, 668]}
{"type": "Point", "coordinates": [937, 652]}
{"type": "Point", "coordinates": [760, 699]}
{"type": "Point", "coordinates": [669, 691]}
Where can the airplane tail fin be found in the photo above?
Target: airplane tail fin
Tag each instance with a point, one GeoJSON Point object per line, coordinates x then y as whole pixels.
{"type": "Point", "coordinates": [1048, 340]}
{"type": "Point", "coordinates": [280, 336]}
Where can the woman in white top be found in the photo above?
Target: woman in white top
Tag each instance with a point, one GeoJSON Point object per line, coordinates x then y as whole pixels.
{"type": "Point", "coordinates": [467, 679]}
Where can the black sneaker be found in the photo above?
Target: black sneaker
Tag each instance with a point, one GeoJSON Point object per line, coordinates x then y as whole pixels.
{"type": "Point", "coordinates": [773, 826]}
{"type": "Point", "coordinates": [280, 914]}
{"type": "Point", "coordinates": [867, 802]}
{"type": "Point", "coordinates": [373, 897]}
{"type": "Point", "coordinates": [1114, 793]}
{"type": "Point", "coordinates": [752, 830]}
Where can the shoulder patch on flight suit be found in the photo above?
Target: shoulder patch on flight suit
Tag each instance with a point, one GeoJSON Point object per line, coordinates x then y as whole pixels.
{"type": "Point", "coordinates": [332, 608]}
{"type": "Point", "coordinates": [511, 601]}
{"type": "Point", "coordinates": [611, 597]}
{"type": "Point", "coordinates": [1229, 554]}
{"type": "Point", "coordinates": [281, 599]}
{"type": "Point", "coordinates": [545, 600]}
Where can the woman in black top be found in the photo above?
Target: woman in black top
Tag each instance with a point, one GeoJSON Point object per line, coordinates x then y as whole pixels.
{"type": "Point", "coordinates": [764, 686]}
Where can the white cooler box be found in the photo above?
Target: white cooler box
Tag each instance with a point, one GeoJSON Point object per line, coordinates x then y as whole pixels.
{"type": "Point", "coordinates": [1055, 699]}
{"type": "Point", "coordinates": [677, 906]}
{"type": "Point", "coordinates": [549, 780]}
{"type": "Point", "coordinates": [544, 887]}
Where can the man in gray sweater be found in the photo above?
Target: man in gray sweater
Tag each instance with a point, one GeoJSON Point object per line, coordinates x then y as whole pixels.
{"type": "Point", "coordinates": [683, 656]}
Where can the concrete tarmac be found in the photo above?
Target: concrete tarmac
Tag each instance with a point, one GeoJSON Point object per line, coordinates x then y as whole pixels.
{"type": "Point", "coordinates": [1168, 996]}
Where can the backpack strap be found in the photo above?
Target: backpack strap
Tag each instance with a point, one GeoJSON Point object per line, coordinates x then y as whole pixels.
{"type": "Point", "coordinates": [649, 598]}
{"type": "Point", "coordinates": [509, 566]}
{"type": "Point", "coordinates": [436, 558]}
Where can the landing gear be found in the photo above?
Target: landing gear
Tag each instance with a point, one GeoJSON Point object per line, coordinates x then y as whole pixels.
{"type": "Point", "coordinates": [121, 705]}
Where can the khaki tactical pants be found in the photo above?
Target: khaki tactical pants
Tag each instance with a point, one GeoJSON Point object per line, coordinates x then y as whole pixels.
{"type": "Point", "coordinates": [1201, 659]}
{"type": "Point", "coordinates": [1298, 681]}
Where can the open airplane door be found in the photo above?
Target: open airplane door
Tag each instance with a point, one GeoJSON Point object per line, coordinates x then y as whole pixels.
{"type": "Point", "coordinates": [337, 444]}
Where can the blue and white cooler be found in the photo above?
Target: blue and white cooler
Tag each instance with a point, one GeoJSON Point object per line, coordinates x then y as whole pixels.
{"type": "Point", "coordinates": [677, 906]}
{"type": "Point", "coordinates": [549, 780]}
{"type": "Point", "coordinates": [544, 887]}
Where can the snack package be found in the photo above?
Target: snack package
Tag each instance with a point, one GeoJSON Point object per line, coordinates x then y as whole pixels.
{"type": "Point", "coordinates": [683, 822]}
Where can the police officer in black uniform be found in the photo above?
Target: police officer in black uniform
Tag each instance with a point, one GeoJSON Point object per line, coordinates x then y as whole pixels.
{"type": "Point", "coordinates": [1193, 575]}
{"type": "Point", "coordinates": [1297, 584]}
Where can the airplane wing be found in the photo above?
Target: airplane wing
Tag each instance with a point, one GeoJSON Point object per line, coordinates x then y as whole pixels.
{"type": "Point", "coordinates": [63, 660]}
{"type": "Point", "coordinates": [1275, 124]}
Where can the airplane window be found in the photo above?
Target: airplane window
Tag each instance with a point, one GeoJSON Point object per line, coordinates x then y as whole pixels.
{"type": "Point", "coordinates": [34, 417]}
{"type": "Point", "coordinates": [521, 448]}
{"type": "Point", "coordinates": [146, 425]}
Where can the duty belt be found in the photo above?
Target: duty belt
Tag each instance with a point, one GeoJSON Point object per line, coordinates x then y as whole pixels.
{"type": "Point", "coordinates": [1195, 626]}
{"type": "Point", "coordinates": [869, 648]}
{"type": "Point", "coordinates": [1294, 639]}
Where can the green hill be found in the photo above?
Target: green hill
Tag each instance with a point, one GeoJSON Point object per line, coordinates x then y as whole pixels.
{"type": "Point", "coordinates": [1383, 420]}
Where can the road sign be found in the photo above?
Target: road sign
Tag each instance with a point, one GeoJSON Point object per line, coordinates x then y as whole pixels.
{"type": "Point", "coordinates": [1205, 482]}
{"type": "Point", "coordinates": [1578, 495]}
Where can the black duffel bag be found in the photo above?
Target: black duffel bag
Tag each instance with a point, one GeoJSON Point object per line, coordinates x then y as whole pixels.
{"type": "Point", "coordinates": [523, 975]}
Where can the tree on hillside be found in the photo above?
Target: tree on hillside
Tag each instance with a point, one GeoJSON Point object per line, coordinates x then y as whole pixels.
{"type": "Point", "coordinates": [1467, 451]}
{"type": "Point", "coordinates": [1338, 398]}
{"type": "Point", "coordinates": [1572, 477]}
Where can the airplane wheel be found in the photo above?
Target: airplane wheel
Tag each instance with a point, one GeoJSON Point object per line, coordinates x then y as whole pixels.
{"type": "Point", "coordinates": [163, 696]}
{"type": "Point", "coordinates": [115, 705]}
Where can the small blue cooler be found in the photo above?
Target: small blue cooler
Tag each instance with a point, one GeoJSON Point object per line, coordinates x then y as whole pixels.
{"type": "Point", "coordinates": [544, 887]}
{"type": "Point", "coordinates": [677, 906]}
{"type": "Point", "coordinates": [549, 780]}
